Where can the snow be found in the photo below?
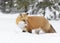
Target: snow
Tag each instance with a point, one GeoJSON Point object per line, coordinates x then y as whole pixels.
{"type": "Point", "coordinates": [8, 32]}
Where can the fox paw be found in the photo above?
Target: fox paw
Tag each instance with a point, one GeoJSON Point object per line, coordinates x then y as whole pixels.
{"type": "Point", "coordinates": [23, 31]}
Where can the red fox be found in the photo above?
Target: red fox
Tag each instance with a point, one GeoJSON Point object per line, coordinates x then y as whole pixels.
{"type": "Point", "coordinates": [35, 22]}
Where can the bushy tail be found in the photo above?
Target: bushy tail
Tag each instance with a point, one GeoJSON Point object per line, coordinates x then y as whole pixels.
{"type": "Point", "coordinates": [52, 30]}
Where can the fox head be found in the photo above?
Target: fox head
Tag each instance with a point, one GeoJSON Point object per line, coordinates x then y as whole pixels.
{"type": "Point", "coordinates": [23, 16]}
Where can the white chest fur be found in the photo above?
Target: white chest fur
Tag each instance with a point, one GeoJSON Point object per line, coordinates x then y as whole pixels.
{"type": "Point", "coordinates": [21, 24]}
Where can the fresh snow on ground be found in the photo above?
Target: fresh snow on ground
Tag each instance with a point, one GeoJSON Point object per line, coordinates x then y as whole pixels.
{"type": "Point", "coordinates": [9, 34]}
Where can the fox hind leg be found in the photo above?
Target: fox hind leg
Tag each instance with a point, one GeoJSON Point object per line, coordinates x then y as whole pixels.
{"type": "Point", "coordinates": [37, 31]}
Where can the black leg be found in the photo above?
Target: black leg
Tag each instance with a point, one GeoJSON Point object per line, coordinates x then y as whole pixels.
{"type": "Point", "coordinates": [23, 31]}
{"type": "Point", "coordinates": [30, 31]}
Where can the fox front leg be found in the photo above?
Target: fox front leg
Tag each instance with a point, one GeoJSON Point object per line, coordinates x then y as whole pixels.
{"type": "Point", "coordinates": [24, 30]}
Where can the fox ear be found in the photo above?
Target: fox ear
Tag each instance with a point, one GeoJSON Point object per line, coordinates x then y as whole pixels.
{"type": "Point", "coordinates": [27, 13]}
{"type": "Point", "coordinates": [21, 15]}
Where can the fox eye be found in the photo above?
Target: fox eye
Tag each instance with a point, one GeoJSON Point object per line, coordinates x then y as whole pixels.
{"type": "Point", "coordinates": [24, 20]}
